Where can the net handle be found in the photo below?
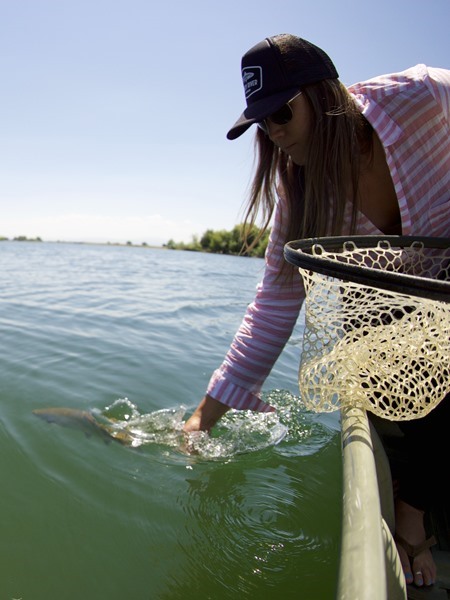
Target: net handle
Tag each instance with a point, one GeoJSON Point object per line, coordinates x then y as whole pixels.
{"type": "Point", "coordinates": [299, 253]}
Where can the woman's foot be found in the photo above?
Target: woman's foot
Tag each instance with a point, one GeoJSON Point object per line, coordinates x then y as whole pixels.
{"type": "Point", "coordinates": [413, 548]}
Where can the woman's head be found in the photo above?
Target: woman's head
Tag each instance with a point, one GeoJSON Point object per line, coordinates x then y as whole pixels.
{"type": "Point", "coordinates": [274, 71]}
{"type": "Point", "coordinates": [311, 152]}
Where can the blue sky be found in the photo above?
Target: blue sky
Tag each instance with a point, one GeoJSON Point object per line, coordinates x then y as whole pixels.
{"type": "Point", "coordinates": [115, 112]}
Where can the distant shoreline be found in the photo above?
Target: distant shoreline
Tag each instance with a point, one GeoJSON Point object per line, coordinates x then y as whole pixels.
{"type": "Point", "coordinates": [22, 239]}
{"type": "Point", "coordinates": [212, 242]}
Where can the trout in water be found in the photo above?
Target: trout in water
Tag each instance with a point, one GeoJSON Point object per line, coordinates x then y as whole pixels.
{"type": "Point", "coordinates": [85, 420]}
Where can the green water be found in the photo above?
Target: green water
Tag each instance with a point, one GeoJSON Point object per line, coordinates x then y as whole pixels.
{"type": "Point", "coordinates": [253, 513]}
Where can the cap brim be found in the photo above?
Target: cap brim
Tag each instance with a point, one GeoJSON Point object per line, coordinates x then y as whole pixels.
{"type": "Point", "coordinates": [260, 110]}
{"type": "Point", "coordinates": [240, 127]}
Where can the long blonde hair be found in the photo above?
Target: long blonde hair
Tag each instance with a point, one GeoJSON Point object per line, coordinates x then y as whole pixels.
{"type": "Point", "coordinates": [317, 194]}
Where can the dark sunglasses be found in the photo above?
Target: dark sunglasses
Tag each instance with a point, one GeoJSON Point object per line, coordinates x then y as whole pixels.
{"type": "Point", "coordinates": [282, 116]}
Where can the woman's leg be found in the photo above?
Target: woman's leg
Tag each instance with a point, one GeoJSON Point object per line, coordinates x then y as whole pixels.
{"type": "Point", "coordinates": [421, 484]}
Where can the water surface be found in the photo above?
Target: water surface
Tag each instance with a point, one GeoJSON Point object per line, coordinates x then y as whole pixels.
{"type": "Point", "coordinates": [134, 334]}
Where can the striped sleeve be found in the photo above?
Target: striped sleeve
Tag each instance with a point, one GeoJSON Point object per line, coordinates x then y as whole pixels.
{"type": "Point", "coordinates": [439, 83]}
{"type": "Point", "coordinates": [263, 333]}
{"type": "Point", "coordinates": [410, 114]}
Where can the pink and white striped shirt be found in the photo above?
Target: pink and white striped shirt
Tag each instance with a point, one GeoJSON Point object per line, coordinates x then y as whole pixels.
{"type": "Point", "coordinates": [410, 112]}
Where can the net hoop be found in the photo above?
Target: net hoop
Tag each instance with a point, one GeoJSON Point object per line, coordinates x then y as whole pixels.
{"type": "Point", "coordinates": [377, 323]}
{"type": "Point", "coordinates": [308, 254]}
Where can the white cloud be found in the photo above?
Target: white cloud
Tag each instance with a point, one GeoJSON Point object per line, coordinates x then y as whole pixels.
{"type": "Point", "coordinates": [152, 229]}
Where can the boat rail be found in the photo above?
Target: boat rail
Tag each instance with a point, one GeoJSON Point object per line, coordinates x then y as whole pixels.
{"type": "Point", "coordinates": [370, 568]}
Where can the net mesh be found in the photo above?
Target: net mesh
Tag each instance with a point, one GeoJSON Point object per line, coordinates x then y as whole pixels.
{"type": "Point", "coordinates": [385, 351]}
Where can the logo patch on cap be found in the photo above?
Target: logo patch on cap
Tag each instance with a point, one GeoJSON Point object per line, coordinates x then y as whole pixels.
{"type": "Point", "coordinates": [252, 79]}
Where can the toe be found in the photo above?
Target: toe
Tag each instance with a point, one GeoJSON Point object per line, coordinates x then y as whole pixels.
{"type": "Point", "coordinates": [406, 565]}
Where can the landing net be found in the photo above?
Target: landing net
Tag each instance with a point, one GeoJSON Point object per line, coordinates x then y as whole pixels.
{"type": "Point", "coordinates": [377, 329]}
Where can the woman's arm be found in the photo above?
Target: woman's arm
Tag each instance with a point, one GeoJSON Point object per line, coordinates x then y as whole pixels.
{"type": "Point", "coordinates": [206, 415]}
{"type": "Point", "coordinates": [262, 335]}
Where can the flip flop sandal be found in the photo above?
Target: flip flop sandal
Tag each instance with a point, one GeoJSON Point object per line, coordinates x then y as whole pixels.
{"type": "Point", "coordinates": [426, 592]}
{"type": "Point", "coordinates": [414, 550]}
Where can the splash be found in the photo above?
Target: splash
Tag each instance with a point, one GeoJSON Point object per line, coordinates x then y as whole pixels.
{"type": "Point", "coordinates": [163, 426]}
{"type": "Point", "coordinates": [238, 432]}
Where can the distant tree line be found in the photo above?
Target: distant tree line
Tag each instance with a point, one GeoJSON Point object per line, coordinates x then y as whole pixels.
{"type": "Point", "coordinates": [225, 242]}
{"type": "Point", "coordinates": [21, 238]}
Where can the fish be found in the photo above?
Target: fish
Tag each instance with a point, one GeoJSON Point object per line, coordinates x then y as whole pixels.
{"type": "Point", "coordinates": [108, 429]}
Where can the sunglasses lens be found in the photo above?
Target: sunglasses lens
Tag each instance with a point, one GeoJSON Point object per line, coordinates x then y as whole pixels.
{"type": "Point", "coordinates": [282, 116]}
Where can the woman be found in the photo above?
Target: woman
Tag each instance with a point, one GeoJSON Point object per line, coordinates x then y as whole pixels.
{"type": "Point", "coordinates": [370, 159]}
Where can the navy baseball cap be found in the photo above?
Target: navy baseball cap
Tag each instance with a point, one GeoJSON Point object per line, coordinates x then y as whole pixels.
{"type": "Point", "coordinates": [273, 71]}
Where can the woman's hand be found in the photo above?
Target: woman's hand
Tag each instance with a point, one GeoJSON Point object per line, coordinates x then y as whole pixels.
{"type": "Point", "coordinates": [206, 415]}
